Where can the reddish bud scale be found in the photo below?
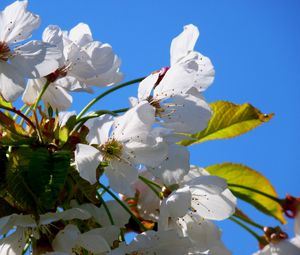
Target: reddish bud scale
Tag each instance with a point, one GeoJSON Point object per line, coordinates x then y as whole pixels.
{"type": "Point", "coordinates": [58, 73]}
{"type": "Point", "coordinates": [161, 75]}
{"type": "Point", "coordinates": [291, 206]}
{"type": "Point", "coordinates": [4, 51]}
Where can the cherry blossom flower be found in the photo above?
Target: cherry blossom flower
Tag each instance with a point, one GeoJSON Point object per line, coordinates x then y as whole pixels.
{"type": "Point", "coordinates": [124, 143]}
{"type": "Point", "coordinates": [205, 195]}
{"type": "Point", "coordinates": [172, 90]}
{"type": "Point", "coordinates": [155, 243]}
{"type": "Point", "coordinates": [70, 239]}
{"type": "Point", "coordinates": [84, 62]}
{"type": "Point", "coordinates": [33, 59]}
{"type": "Point", "coordinates": [284, 247]}
{"type": "Point", "coordinates": [204, 234]}
{"type": "Point", "coordinates": [27, 225]}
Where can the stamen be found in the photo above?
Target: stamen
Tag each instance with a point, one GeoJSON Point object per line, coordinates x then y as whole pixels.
{"type": "Point", "coordinates": [112, 149]}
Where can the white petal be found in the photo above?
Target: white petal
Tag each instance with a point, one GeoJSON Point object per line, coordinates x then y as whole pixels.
{"type": "Point", "coordinates": [213, 207]}
{"type": "Point", "coordinates": [146, 86]}
{"type": "Point", "coordinates": [71, 83]}
{"type": "Point", "coordinates": [176, 165]}
{"type": "Point", "coordinates": [4, 224]}
{"type": "Point", "coordinates": [87, 159]}
{"type": "Point", "coordinates": [81, 34]}
{"type": "Point", "coordinates": [183, 43]}
{"type": "Point", "coordinates": [14, 243]}
{"type": "Point", "coordinates": [63, 117]}
{"type": "Point", "coordinates": [70, 214]}
{"type": "Point", "coordinates": [148, 202]}
{"type": "Point", "coordinates": [121, 175]}
{"type": "Point", "coordinates": [186, 114]}
{"type": "Point", "coordinates": [282, 248]}
{"type": "Point", "coordinates": [135, 123]}
{"type": "Point", "coordinates": [11, 82]}
{"type": "Point", "coordinates": [195, 70]}
{"type": "Point", "coordinates": [31, 92]}
{"type": "Point", "coordinates": [159, 243]}
{"type": "Point", "coordinates": [119, 215]}
{"type": "Point", "coordinates": [111, 77]}
{"type": "Point", "coordinates": [133, 101]}
{"type": "Point", "coordinates": [194, 172]}
{"type": "Point", "coordinates": [99, 129]}
{"type": "Point", "coordinates": [296, 241]}
{"type": "Point", "coordinates": [110, 233]}
{"type": "Point", "coordinates": [52, 34]}
{"type": "Point", "coordinates": [204, 234]}
{"type": "Point", "coordinates": [297, 226]}
{"type": "Point", "coordinates": [104, 63]}
{"type": "Point", "coordinates": [36, 59]}
{"type": "Point", "coordinates": [17, 23]}
{"type": "Point", "coordinates": [179, 202]}
{"type": "Point", "coordinates": [55, 96]}
{"type": "Point", "coordinates": [93, 242]}
{"type": "Point", "coordinates": [150, 152]}
{"type": "Point", "coordinates": [176, 205]}
{"type": "Point", "coordinates": [209, 184]}
{"type": "Point", "coordinates": [66, 239]}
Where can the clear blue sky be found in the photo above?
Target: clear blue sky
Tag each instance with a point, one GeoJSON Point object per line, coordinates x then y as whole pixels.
{"type": "Point", "coordinates": [255, 48]}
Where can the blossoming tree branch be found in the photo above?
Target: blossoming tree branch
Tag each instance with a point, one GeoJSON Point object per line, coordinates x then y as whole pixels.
{"type": "Point", "coordinates": [55, 163]}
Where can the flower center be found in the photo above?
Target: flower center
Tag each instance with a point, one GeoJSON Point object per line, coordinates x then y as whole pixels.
{"type": "Point", "coordinates": [155, 103]}
{"type": "Point", "coordinates": [5, 52]}
{"type": "Point", "coordinates": [111, 149]}
{"type": "Point", "coordinates": [58, 73]}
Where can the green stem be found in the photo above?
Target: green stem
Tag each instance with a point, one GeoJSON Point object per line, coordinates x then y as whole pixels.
{"type": "Point", "coordinates": [278, 200]}
{"type": "Point", "coordinates": [46, 85]}
{"type": "Point", "coordinates": [106, 208]}
{"type": "Point", "coordinates": [40, 135]}
{"type": "Point", "coordinates": [150, 184]}
{"type": "Point", "coordinates": [26, 248]}
{"type": "Point", "coordinates": [255, 235]}
{"type": "Point", "coordinates": [254, 224]}
{"type": "Point", "coordinates": [96, 99]}
{"type": "Point", "coordinates": [124, 206]}
{"type": "Point", "coordinates": [79, 123]}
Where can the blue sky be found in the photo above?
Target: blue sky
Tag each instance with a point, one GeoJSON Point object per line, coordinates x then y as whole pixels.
{"type": "Point", "coordinates": [255, 48]}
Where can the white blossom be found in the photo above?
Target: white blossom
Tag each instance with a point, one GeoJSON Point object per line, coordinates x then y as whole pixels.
{"type": "Point", "coordinates": [71, 239]}
{"type": "Point", "coordinates": [33, 59]}
{"type": "Point", "coordinates": [171, 91]}
{"type": "Point", "coordinates": [205, 195]}
{"type": "Point", "coordinates": [125, 143]}
{"type": "Point", "coordinates": [84, 62]}
{"type": "Point", "coordinates": [156, 243]}
{"type": "Point", "coordinates": [284, 247]}
{"type": "Point", "coordinates": [26, 226]}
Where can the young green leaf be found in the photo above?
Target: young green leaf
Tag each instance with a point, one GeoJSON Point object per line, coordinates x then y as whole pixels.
{"type": "Point", "coordinates": [228, 120]}
{"type": "Point", "coordinates": [250, 186]}
{"type": "Point", "coordinates": [63, 135]}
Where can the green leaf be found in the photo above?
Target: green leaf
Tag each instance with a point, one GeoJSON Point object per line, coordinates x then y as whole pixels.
{"type": "Point", "coordinates": [63, 135]}
{"type": "Point", "coordinates": [228, 120]}
{"type": "Point", "coordinates": [5, 103]}
{"type": "Point", "coordinates": [250, 186]}
{"type": "Point", "coordinates": [35, 177]}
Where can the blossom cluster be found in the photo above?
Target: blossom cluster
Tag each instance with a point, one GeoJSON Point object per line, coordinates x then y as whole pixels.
{"type": "Point", "coordinates": [61, 162]}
